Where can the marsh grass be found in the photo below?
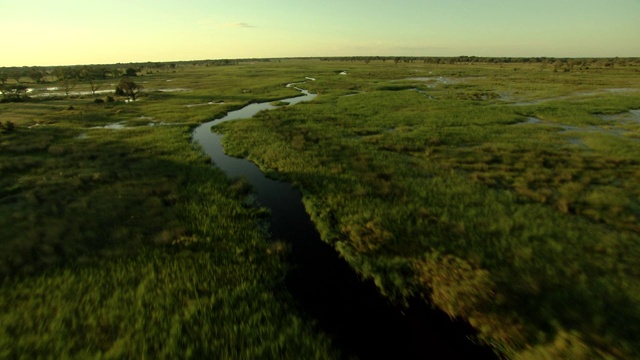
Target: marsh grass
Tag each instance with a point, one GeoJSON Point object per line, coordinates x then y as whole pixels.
{"type": "Point", "coordinates": [529, 231]}
{"type": "Point", "coordinates": [122, 241]}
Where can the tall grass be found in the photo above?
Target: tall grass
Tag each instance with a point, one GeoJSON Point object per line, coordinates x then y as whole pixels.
{"type": "Point", "coordinates": [441, 189]}
{"type": "Point", "coordinates": [123, 241]}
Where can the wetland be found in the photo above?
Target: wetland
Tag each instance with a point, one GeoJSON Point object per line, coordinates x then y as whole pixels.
{"type": "Point", "coordinates": [507, 200]}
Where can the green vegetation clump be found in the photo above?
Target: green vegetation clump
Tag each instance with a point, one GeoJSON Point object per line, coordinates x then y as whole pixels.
{"type": "Point", "coordinates": [506, 198]}
{"type": "Point", "coordinates": [7, 126]}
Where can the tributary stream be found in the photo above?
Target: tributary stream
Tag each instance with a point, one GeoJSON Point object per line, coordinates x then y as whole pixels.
{"type": "Point", "coordinates": [361, 322]}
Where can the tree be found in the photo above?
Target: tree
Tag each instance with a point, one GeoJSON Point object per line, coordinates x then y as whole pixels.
{"type": "Point", "coordinates": [116, 72]}
{"type": "Point", "coordinates": [92, 75]}
{"type": "Point", "coordinates": [8, 126]}
{"type": "Point", "coordinates": [127, 87]}
{"type": "Point", "coordinates": [58, 73]}
{"type": "Point", "coordinates": [3, 77]}
{"type": "Point", "coordinates": [14, 92]}
{"type": "Point", "coordinates": [94, 86]}
{"type": "Point", "coordinates": [37, 74]}
{"type": "Point", "coordinates": [16, 74]}
{"type": "Point", "coordinates": [68, 76]}
{"type": "Point", "coordinates": [68, 84]}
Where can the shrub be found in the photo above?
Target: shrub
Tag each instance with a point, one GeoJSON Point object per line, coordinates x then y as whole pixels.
{"type": "Point", "coordinates": [7, 126]}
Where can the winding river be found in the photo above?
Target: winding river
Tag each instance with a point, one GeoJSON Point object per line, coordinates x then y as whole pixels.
{"type": "Point", "coordinates": [361, 322]}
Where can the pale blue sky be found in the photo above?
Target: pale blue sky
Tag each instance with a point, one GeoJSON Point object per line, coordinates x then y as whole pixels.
{"type": "Point", "coordinates": [66, 32]}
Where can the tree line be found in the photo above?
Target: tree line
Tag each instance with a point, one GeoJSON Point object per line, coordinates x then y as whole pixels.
{"type": "Point", "coordinates": [43, 75]}
{"type": "Point", "coordinates": [598, 62]}
{"type": "Point", "coordinates": [14, 80]}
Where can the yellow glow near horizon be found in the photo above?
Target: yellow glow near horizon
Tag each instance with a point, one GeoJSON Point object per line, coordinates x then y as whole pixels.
{"type": "Point", "coordinates": [80, 32]}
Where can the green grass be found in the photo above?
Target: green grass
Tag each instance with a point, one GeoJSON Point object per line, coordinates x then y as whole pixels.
{"type": "Point", "coordinates": [529, 231]}
{"type": "Point", "coordinates": [126, 243]}
{"type": "Point", "coordinates": [163, 303]}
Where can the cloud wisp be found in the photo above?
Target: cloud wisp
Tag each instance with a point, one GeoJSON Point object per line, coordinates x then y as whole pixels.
{"type": "Point", "coordinates": [237, 25]}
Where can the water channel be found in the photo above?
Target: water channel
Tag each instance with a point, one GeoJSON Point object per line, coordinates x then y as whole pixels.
{"type": "Point", "coordinates": [361, 322]}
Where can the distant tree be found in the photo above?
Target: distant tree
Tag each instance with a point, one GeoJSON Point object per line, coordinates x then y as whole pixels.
{"type": "Point", "coordinates": [112, 72]}
{"type": "Point", "coordinates": [37, 75]}
{"type": "Point", "coordinates": [100, 72]}
{"type": "Point", "coordinates": [3, 77]}
{"type": "Point", "coordinates": [127, 87]}
{"type": "Point", "coordinates": [14, 92]}
{"type": "Point", "coordinates": [62, 73]}
{"type": "Point", "coordinates": [94, 85]}
{"type": "Point", "coordinates": [68, 77]}
{"type": "Point", "coordinates": [8, 126]}
{"type": "Point", "coordinates": [543, 64]}
{"type": "Point", "coordinates": [558, 65]}
{"type": "Point", "coordinates": [91, 75]}
{"type": "Point", "coordinates": [68, 84]}
{"type": "Point", "coordinates": [58, 73]}
{"type": "Point", "coordinates": [131, 72]}
{"type": "Point", "coordinates": [16, 74]}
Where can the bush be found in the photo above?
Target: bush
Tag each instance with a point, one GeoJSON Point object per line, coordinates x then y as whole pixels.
{"type": "Point", "coordinates": [7, 126]}
{"type": "Point", "coordinates": [126, 87]}
{"type": "Point", "coordinates": [98, 101]}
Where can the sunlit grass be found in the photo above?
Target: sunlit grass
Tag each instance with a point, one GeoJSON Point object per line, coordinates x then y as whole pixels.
{"type": "Point", "coordinates": [529, 231]}
{"type": "Point", "coordinates": [122, 241]}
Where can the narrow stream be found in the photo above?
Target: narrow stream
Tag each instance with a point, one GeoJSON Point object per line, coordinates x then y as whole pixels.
{"type": "Point", "coordinates": [362, 323]}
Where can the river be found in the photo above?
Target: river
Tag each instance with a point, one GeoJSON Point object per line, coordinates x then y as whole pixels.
{"type": "Point", "coordinates": [361, 322]}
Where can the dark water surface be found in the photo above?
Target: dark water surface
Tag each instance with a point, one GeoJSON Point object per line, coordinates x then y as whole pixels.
{"type": "Point", "coordinates": [361, 322]}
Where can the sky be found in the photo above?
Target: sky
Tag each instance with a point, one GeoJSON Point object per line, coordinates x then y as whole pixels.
{"type": "Point", "coordinates": [70, 32]}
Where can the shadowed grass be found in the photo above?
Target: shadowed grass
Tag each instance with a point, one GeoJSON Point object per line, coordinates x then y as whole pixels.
{"type": "Point", "coordinates": [123, 241]}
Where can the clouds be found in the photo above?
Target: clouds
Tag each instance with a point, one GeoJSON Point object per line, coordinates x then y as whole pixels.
{"type": "Point", "coordinates": [237, 25]}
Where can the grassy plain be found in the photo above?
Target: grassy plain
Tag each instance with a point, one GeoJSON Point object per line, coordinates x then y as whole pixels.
{"type": "Point", "coordinates": [505, 194]}
{"type": "Point", "coordinates": [119, 240]}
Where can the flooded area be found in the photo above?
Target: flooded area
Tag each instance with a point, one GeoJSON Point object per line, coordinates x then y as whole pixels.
{"type": "Point", "coordinates": [115, 126]}
{"type": "Point", "coordinates": [579, 94]}
{"type": "Point", "coordinates": [630, 116]}
{"type": "Point", "coordinates": [55, 92]}
{"type": "Point", "coordinates": [206, 104]}
{"type": "Point", "coordinates": [59, 92]}
{"type": "Point", "coordinates": [530, 120]}
{"type": "Point", "coordinates": [435, 79]}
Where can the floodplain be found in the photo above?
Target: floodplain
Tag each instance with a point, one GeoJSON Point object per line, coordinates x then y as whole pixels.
{"type": "Point", "coordinates": [502, 193]}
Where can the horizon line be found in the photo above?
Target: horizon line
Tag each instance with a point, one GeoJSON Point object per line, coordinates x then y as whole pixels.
{"type": "Point", "coordinates": [330, 57]}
